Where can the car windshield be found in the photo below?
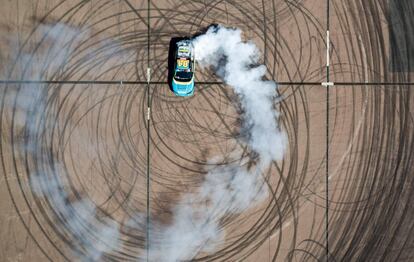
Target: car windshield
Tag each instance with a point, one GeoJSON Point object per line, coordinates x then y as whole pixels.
{"type": "Point", "coordinates": [183, 76]}
{"type": "Point", "coordinates": [183, 51]}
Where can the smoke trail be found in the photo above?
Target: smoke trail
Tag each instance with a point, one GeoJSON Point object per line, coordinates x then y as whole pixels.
{"type": "Point", "coordinates": [195, 226]}
{"type": "Point", "coordinates": [230, 189]}
{"type": "Point", "coordinates": [226, 190]}
{"type": "Point", "coordinates": [92, 237]}
{"type": "Point", "coordinates": [223, 49]}
{"type": "Point", "coordinates": [92, 233]}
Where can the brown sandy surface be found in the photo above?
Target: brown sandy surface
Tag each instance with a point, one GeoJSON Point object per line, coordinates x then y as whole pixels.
{"type": "Point", "coordinates": [96, 135]}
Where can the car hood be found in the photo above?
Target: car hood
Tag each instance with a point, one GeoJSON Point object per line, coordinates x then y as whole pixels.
{"type": "Point", "coordinates": [183, 88]}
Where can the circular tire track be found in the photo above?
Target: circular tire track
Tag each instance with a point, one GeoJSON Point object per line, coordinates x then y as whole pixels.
{"type": "Point", "coordinates": [105, 127]}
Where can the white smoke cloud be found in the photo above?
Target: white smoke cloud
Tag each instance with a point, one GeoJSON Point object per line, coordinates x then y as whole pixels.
{"type": "Point", "coordinates": [230, 189]}
{"type": "Point", "coordinates": [223, 49]}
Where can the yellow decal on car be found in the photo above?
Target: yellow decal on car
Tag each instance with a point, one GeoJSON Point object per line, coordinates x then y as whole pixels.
{"type": "Point", "coordinates": [182, 63]}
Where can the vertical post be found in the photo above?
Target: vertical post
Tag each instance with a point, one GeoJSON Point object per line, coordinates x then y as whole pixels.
{"type": "Point", "coordinates": [327, 136]}
{"type": "Point", "coordinates": [148, 133]}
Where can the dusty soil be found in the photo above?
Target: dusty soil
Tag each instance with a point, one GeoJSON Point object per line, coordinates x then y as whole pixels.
{"type": "Point", "coordinates": [83, 147]}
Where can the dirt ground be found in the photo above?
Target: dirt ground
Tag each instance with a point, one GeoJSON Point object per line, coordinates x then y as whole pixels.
{"type": "Point", "coordinates": [75, 159]}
